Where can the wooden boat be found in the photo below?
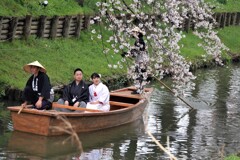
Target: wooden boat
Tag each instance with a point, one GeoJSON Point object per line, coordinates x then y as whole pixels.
{"type": "Point", "coordinates": [124, 108]}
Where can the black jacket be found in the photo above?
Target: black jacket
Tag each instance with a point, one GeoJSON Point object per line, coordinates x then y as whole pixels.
{"type": "Point", "coordinates": [41, 85]}
{"type": "Point", "coordinates": [139, 46]}
{"type": "Point", "coordinates": [78, 92]}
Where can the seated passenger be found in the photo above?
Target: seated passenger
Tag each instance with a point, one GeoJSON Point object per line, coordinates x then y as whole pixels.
{"type": "Point", "coordinates": [98, 94]}
{"type": "Point", "coordinates": [75, 94]}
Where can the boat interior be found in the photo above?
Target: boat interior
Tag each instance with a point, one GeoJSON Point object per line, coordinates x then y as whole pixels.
{"type": "Point", "coordinates": [123, 99]}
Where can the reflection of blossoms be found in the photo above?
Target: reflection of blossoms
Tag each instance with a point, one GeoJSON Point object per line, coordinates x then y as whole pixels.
{"type": "Point", "coordinates": [162, 31]}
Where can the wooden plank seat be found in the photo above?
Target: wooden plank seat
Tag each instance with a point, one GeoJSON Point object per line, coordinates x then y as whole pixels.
{"type": "Point", "coordinates": [126, 94]}
{"type": "Point", "coordinates": [122, 104]}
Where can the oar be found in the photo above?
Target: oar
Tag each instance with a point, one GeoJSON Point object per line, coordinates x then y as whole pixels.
{"type": "Point", "coordinates": [57, 105]}
{"type": "Point", "coordinates": [174, 93]}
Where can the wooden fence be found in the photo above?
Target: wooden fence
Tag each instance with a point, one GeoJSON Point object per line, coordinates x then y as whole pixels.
{"type": "Point", "coordinates": [43, 27]}
{"type": "Point", "coordinates": [222, 19]}
{"type": "Point", "coordinates": [70, 26]}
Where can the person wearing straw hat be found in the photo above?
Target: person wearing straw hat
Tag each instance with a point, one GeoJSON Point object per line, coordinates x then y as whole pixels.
{"type": "Point", "coordinates": [98, 94]}
{"type": "Point", "coordinates": [139, 53]}
{"type": "Point", "coordinates": [38, 90]}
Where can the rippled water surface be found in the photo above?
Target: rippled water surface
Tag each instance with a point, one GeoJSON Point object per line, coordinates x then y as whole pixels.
{"type": "Point", "coordinates": [208, 132]}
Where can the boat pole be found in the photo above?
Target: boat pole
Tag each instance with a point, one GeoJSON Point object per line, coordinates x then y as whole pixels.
{"type": "Point", "coordinates": [174, 93]}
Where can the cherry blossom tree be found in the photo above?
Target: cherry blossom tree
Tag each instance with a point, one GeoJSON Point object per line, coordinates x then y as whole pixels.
{"type": "Point", "coordinates": [162, 23]}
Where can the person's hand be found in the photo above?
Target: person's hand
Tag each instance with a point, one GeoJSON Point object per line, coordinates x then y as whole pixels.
{"type": "Point", "coordinates": [24, 105]}
{"type": "Point", "coordinates": [66, 103]}
{"type": "Point", "coordinates": [39, 103]}
{"type": "Point", "coordinates": [97, 102]}
{"type": "Point", "coordinates": [76, 104]}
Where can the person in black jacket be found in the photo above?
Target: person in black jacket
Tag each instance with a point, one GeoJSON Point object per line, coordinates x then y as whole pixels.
{"type": "Point", "coordinates": [38, 90]}
{"type": "Point", "coordinates": [76, 93]}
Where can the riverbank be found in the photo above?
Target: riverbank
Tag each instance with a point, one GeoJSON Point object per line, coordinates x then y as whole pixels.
{"type": "Point", "coordinates": [62, 56]}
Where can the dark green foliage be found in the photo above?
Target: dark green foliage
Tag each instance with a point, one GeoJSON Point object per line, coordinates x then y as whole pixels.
{"type": "Point", "coordinates": [222, 1]}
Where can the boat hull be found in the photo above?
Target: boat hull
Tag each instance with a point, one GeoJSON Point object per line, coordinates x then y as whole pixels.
{"type": "Point", "coordinates": [85, 122]}
{"type": "Point", "coordinates": [48, 123]}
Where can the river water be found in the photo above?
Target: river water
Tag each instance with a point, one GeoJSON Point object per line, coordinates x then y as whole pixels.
{"type": "Point", "coordinates": [210, 131]}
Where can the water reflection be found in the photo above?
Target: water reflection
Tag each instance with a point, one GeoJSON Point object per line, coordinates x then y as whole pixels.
{"type": "Point", "coordinates": [95, 144]}
{"type": "Point", "coordinates": [194, 134]}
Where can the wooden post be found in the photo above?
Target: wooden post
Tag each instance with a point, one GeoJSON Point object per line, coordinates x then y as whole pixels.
{"type": "Point", "coordinates": [238, 19]}
{"type": "Point", "coordinates": [228, 22]}
{"type": "Point", "coordinates": [187, 24]}
{"type": "Point", "coordinates": [66, 26]}
{"type": "Point", "coordinates": [78, 26]}
{"type": "Point", "coordinates": [12, 28]}
{"type": "Point", "coordinates": [86, 21]}
{"type": "Point", "coordinates": [54, 25]}
{"type": "Point", "coordinates": [234, 18]}
{"type": "Point", "coordinates": [223, 20]}
{"type": "Point", "coordinates": [41, 26]}
{"type": "Point", "coordinates": [27, 27]}
{"type": "Point", "coordinates": [214, 16]}
{"type": "Point", "coordinates": [218, 19]}
{"type": "Point", "coordinates": [1, 25]}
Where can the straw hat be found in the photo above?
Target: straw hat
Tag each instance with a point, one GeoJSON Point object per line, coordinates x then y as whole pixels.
{"type": "Point", "coordinates": [27, 67]}
{"type": "Point", "coordinates": [137, 29]}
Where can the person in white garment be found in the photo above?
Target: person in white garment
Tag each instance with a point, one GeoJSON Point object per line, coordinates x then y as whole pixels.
{"type": "Point", "coordinates": [98, 94]}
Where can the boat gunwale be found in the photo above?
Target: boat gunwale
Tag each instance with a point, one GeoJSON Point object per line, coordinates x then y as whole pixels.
{"type": "Point", "coordinates": [53, 113]}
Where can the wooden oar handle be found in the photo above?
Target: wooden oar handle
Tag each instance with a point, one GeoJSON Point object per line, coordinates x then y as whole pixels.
{"type": "Point", "coordinates": [20, 110]}
{"type": "Point", "coordinates": [57, 105]}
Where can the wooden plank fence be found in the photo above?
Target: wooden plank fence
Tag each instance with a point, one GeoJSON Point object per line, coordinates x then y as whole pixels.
{"type": "Point", "coordinates": [222, 19]}
{"type": "Point", "coordinates": [42, 27]}
{"type": "Point", "coordinates": [71, 26]}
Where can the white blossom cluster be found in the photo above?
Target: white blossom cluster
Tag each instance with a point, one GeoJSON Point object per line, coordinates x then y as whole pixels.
{"type": "Point", "coordinates": [162, 26]}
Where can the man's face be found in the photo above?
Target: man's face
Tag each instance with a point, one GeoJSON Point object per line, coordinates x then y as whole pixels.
{"type": "Point", "coordinates": [78, 76]}
{"type": "Point", "coordinates": [34, 69]}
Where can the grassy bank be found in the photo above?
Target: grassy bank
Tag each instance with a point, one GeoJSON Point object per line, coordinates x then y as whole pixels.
{"type": "Point", "coordinates": [33, 7]}
{"type": "Point", "coordinates": [71, 7]}
{"type": "Point", "coordinates": [230, 36]}
{"type": "Point", "coordinates": [225, 5]}
{"type": "Point", "coordinates": [62, 56]}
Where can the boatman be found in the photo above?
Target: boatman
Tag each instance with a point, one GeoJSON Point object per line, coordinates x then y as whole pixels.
{"type": "Point", "coordinates": [38, 90]}
{"type": "Point", "coordinates": [76, 93]}
{"type": "Point", "coordinates": [98, 94]}
{"type": "Point", "coordinates": [139, 70]}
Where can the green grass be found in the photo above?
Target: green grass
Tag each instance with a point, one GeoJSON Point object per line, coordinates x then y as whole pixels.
{"type": "Point", "coordinates": [232, 157]}
{"type": "Point", "coordinates": [32, 7]}
{"type": "Point", "coordinates": [230, 6]}
{"type": "Point", "coordinates": [190, 49]}
{"type": "Point", "coordinates": [71, 7]}
{"type": "Point", "coordinates": [230, 36]}
{"type": "Point", "coordinates": [60, 57]}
